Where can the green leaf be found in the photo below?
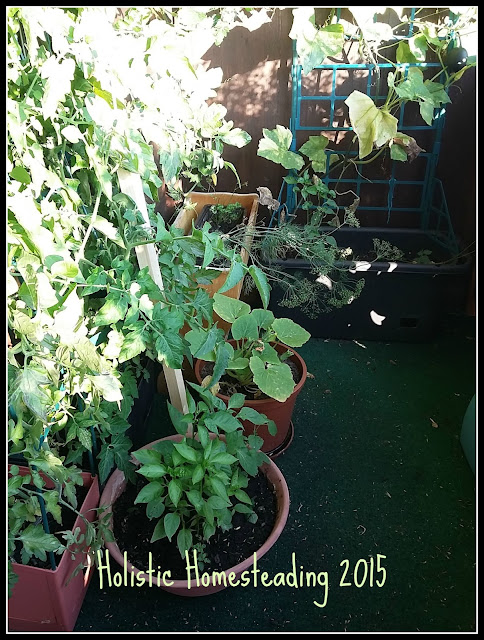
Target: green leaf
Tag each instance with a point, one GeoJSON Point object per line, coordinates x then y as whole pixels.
{"type": "Point", "coordinates": [85, 438]}
{"type": "Point", "coordinates": [155, 509]}
{"type": "Point", "coordinates": [147, 456]}
{"type": "Point", "coordinates": [37, 542]}
{"type": "Point", "coordinates": [247, 460]}
{"type": "Point", "coordinates": [208, 530]}
{"type": "Point", "coordinates": [371, 124]}
{"type": "Point", "coordinates": [245, 328]}
{"type": "Point", "coordinates": [202, 342]}
{"type": "Point", "coordinates": [28, 389]}
{"type": "Point", "coordinates": [274, 146]}
{"type": "Point", "coordinates": [223, 458]}
{"type": "Point", "coordinates": [263, 317]}
{"type": "Point", "coordinates": [290, 333]}
{"type": "Point", "coordinates": [272, 427]}
{"type": "Point", "coordinates": [255, 442]}
{"type": "Point", "coordinates": [427, 111]}
{"type": "Point", "coordinates": [404, 55]}
{"type": "Point", "coordinates": [314, 45]}
{"type": "Point", "coordinates": [174, 491]}
{"type": "Point", "coordinates": [113, 309]}
{"type": "Point", "coordinates": [65, 268]}
{"type": "Point", "coordinates": [275, 380]}
{"type": "Point", "coordinates": [177, 417]}
{"type": "Point", "coordinates": [242, 508]}
{"type": "Point", "coordinates": [248, 413]}
{"type": "Point", "coordinates": [21, 175]}
{"type": "Point", "coordinates": [236, 400]}
{"type": "Point", "coordinates": [216, 502]}
{"type": "Point", "coordinates": [52, 504]}
{"type": "Point", "coordinates": [268, 354]}
{"type": "Point", "coordinates": [171, 522]}
{"type": "Point", "coordinates": [234, 276]}
{"type": "Point", "coordinates": [314, 149]}
{"type": "Point", "coordinates": [237, 364]}
{"type": "Point", "coordinates": [169, 347]}
{"type": "Point", "coordinates": [224, 354]}
{"type": "Point", "coordinates": [397, 152]}
{"type": "Point", "coordinates": [229, 309]}
{"type": "Point", "coordinates": [133, 344]}
{"type": "Point", "coordinates": [198, 474]}
{"type": "Point", "coordinates": [184, 541]}
{"type": "Point", "coordinates": [222, 420]}
{"type": "Point", "coordinates": [159, 531]}
{"type": "Point", "coordinates": [241, 495]}
{"type": "Point", "coordinates": [262, 284]}
{"type": "Point", "coordinates": [152, 470]}
{"type": "Point", "coordinates": [150, 492]}
{"type": "Point", "coordinates": [186, 451]}
{"type": "Point", "coordinates": [106, 463]}
{"type": "Point", "coordinates": [236, 137]}
{"type": "Point", "coordinates": [195, 498]}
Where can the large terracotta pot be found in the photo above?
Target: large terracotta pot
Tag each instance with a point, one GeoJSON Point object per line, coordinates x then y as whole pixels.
{"type": "Point", "coordinates": [280, 412]}
{"type": "Point", "coordinates": [46, 600]}
{"type": "Point", "coordinates": [117, 484]}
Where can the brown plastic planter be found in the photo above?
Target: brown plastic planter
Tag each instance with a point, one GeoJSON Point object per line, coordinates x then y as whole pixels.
{"type": "Point", "coordinates": [46, 600]}
{"type": "Point", "coordinates": [280, 412]}
{"type": "Point", "coordinates": [115, 487]}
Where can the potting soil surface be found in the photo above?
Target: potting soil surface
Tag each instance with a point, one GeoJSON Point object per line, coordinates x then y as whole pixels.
{"type": "Point", "coordinates": [382, 505]}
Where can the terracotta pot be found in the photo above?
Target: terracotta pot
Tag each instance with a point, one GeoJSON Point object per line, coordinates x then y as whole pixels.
{"type": "Point", "coordinates": [46, 600]}
{"type": "Point", "coordinates": [115, 487]}
{"type": "Point", "coordinates": [280, 412]}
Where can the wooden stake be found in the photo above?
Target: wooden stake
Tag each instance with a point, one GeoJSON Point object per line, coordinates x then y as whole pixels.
{"type": "Point", "coordinates": [147, 257]}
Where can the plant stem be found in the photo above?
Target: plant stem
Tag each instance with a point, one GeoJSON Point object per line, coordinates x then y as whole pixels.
{"type": "Point", "coordinates": [91, 225]}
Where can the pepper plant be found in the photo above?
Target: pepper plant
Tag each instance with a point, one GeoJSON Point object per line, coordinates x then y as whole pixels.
{"type": "Point", "coordinates": [195, 486]}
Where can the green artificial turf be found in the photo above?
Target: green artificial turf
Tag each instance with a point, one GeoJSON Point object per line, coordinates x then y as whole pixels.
{"type": "Point", "coordinates": [375, 468]}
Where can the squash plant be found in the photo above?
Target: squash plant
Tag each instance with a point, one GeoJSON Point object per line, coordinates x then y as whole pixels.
{"type": "Point", "coordinates": [86, 96]}
{"type": "Point", "coordinates": [253, 362]}
{"type": "Point", "coordinates": [433, 36]}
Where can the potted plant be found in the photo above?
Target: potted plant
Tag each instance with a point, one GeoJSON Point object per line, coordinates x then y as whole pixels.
{"type": "Point", "coordinates": [192, 210]}
{"type": "Point", "coordinates": [412, 64]}
{"type": "Point", "coordinates": [191, 489]}
{"type": "Point", "coordinates": [48, 591]}
{"type": "Point", "coordinates": [260, 362]}
{"type": "Point", "coordinates": [221, 217]}
{"type": "Point", "coordinates": [80, 310]}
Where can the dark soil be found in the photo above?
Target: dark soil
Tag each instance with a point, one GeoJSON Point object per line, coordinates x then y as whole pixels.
{"type": "Point", "coordinates": [229, 385]}
{"type": "Point", "coordinates": [225, 549]}
{"type": "Point", "coordinates": [68, 520]}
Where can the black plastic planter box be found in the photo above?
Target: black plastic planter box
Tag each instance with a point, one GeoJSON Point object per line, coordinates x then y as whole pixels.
{"type": "Point", "coordinates": [411, 298]}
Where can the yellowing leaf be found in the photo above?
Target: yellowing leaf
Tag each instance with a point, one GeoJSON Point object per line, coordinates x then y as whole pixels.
{"type": "Point", "coordinates": [372, 125]}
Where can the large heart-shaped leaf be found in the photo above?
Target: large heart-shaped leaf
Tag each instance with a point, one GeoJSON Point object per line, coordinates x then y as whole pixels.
{"type": "Point", "coordinates": [290, 333]}
{"type": "Point", "coordinates": [372, 125]}
{"type": "Point", "coordinates": [275, 146]}
{"type": "Point", "coordinates": [275, 380]}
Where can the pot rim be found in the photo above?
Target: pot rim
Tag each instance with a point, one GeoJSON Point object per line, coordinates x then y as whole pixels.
{"type": "Point", "coordinates": [257, 403]}
{"type": "Point", "coordinates": [117, 483]}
